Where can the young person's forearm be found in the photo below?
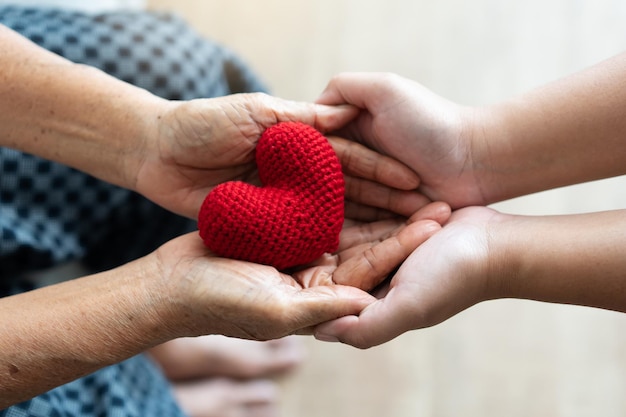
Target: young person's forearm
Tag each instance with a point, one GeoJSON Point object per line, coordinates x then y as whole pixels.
{"type": "Point", "coordinates": [574, 259]}
{"type": "Point", "coordinates": [56, 334]}
{"type": "Point", "coordinates": [570, 131]}
{"type": "Point", "coordinates": [70, 113]}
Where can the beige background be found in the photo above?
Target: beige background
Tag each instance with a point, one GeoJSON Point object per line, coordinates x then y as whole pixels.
{"type": "Point", "coordinates": [502, 358]}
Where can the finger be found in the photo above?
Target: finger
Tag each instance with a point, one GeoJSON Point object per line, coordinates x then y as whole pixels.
{"type": "Point", "coordinates": [359, 212]}
{"type": "Point", "coordinates": [367, 233]}
{"type": "Point", "coordinates": [376, 263]}
{"type": "Point", "coordinates": [318, 273]}
{"type": "Point", "coordinates": [362, 162]}
{"type": "Point", "coordinates": [306, 331]}
{"type": "Point", "coordinates": [373, 194]}
{"type": "Point", "coordinates": [378, 323]}
{"type": "Point", "coordinates": [268, 110]}
{"type": "Point", "coordinates": [332, 118]}
{"type": "Point", "coordinates": [437, 211]}
{"type": "Point", "coordinates": [349, 222]}
{"type": "Point", "coordinates": [363, 90]}
{"type": "Point", "coordinates": [350, 87]}
{"type": "Point", "coordinates": [360, 130]}
{"type": "Point", "coordinates": [356, 331]}
{"type": "Point", "coordinates": [319, 304]}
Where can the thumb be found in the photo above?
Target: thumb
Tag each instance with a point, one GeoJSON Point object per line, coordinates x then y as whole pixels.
{"type": "Point", "coordinates": [324, 303]}
{"type": "Point", "coordinates": [373, 265]}
{"type": "Point", "coordinates": [378, 323]}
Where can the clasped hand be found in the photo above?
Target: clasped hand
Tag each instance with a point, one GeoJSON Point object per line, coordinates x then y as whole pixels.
{"type": "Point", "coordinates": [246, 300]}
{"type": "Point", "coordinates": [201, 143]}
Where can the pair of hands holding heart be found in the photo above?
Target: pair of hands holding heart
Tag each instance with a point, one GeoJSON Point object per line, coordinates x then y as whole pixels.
{"type": "Point", "coordinates": [250, 300]}
{"type": "Point", "coordinates": [298, 214]}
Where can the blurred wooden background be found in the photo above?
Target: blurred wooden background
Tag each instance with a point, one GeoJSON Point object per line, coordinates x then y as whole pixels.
{"type": "Point", "coordinates": [501, 358]}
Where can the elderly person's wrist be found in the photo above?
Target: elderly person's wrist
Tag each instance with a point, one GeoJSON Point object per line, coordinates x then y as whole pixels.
{"type": "Point", "coordinates": [141, 137]}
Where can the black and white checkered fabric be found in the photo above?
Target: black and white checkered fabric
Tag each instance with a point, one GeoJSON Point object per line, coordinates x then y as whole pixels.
{"type": "Point", "coordinates": [51, 214]}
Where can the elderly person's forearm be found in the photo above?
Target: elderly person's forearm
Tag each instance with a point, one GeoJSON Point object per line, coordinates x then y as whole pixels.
{"type": "Point", "coordinates": [71, 113]}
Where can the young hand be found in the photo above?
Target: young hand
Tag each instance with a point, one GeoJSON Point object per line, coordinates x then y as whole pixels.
{"type": "Point", "coordinates": [480, 155]}
{"type": "Point", "coordinates": [369, 252]}
{"type": "Point", "coordinates": [404, 120]}
{"type": "Point", "coordinates": [445, 275]}
{"type": "Point", "coordinates": [481, 254]}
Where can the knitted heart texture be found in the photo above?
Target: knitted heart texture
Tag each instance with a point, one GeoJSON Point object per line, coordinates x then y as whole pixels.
{"type": "Point", "coordinates": [295, 217]}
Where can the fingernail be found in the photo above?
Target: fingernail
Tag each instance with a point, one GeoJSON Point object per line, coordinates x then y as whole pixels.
{"type": "Point", "coordinates": [326, 338]}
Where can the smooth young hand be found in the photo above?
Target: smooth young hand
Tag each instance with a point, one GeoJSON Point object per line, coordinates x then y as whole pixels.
{"type": "Point", "coordinates": [565, 132]}
{"type": "Point", "coordinates": [481, 254]}
{"type": "Point", "coordinates": [404, 120]}
{"type": "Point", "coordinates": [443, 276]}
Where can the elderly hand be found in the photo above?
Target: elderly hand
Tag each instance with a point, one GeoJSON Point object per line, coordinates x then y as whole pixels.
{"type": "Point", "coordinates": [240, 299]}
{"type": "Point", "coordinates": [171, 152]}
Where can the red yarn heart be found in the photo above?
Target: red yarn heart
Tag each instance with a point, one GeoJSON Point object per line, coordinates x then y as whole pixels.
{"type": "Point", "coordinates": [295, 217]}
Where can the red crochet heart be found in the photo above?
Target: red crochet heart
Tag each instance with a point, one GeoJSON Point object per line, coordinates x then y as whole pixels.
{"type": "Point", "coordinates": [295, 217]}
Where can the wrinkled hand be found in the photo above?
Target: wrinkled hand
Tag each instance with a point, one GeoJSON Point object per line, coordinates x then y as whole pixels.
{"type": "Point", "coordinates": [202, 143]}
{"type": "Point", "coordinates": [245, 300]}
{"type": "Point", "coordinates": [445, 275]}
{"type": "Point", "coordinates": [402, 119]}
